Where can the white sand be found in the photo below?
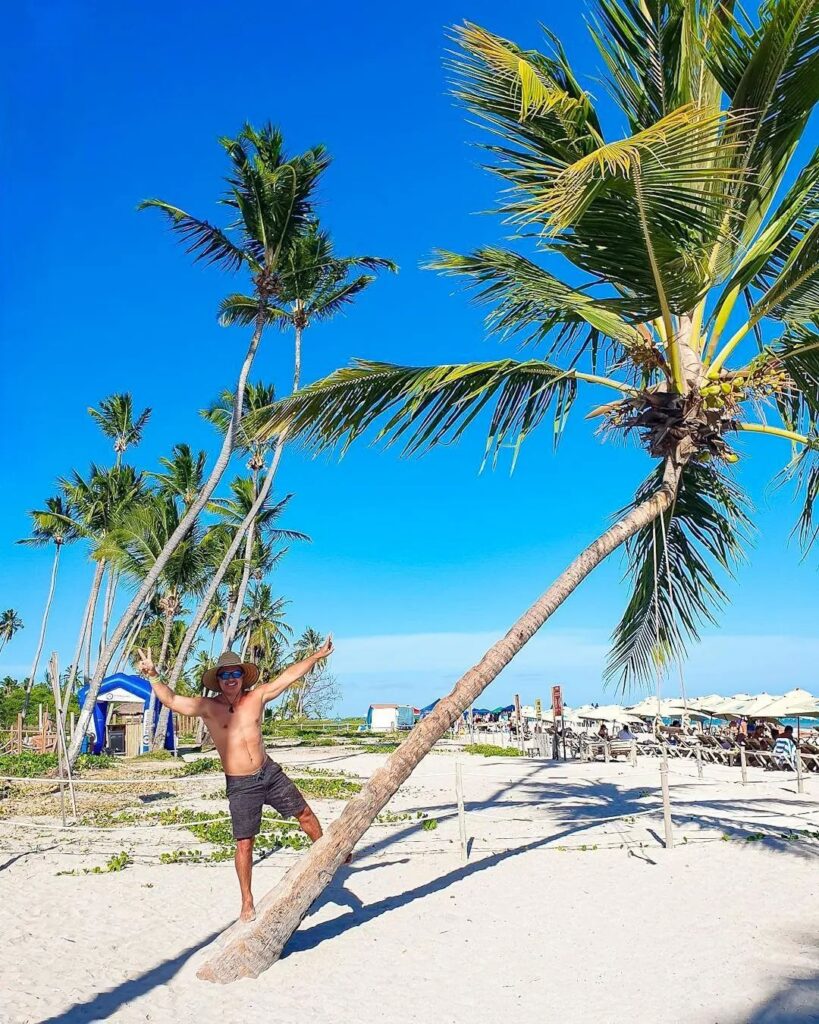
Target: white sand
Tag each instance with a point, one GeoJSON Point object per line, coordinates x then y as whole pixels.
{"type": "Point", "coordinates": [532, 928]}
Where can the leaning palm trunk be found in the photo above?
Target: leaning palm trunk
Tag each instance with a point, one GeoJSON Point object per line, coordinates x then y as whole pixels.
{"type": "Point", "coordinates": [244, 528]}
{"type": "Point", "coordinates": [43, 624]}
{"type": "Point", "coordinates": [96, 582]}
{"type": "Point", "coordinates": [175, 539]}
{"type": "Point", "coordinates": [233, 620]}
{"type": "Point", "coordinates": [108, 604]}
{"type": "Point", "coordinates": [158, 740]}
{"type": "Point", "coordinates": [248, 949]}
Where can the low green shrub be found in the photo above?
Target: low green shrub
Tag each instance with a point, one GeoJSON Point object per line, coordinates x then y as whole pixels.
{"type": "Point", "coordinates": [328, 789]}
{"type": "Point", "coordinates": [490, 750]}
{"type": "Point", "coordinates": [30, 764]}
{"type": "Point", "coordinates": [201, 766]}
{"type": "Point", "coordinates": [429, 824]}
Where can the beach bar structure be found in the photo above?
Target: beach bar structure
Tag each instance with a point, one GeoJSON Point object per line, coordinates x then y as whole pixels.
{"type": "Point", "coordinates": [121, 716]}
{"type": "Point", "coordinates": [390, 717]}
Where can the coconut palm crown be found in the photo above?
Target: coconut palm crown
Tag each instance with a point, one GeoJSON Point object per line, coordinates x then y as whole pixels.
{"type": "Point", "coordinates": [698, 243]}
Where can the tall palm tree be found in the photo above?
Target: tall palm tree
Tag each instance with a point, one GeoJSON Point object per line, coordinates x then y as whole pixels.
{"type": "Point", "coordinates": [272, 196]}
{"type": "Point", "coordinates": [10, 623]}
{"type": "Point", "coordinates": [264, 627]}
{"type": "Point", "coordinates": [232, 513]}
{"type": "Point", "coordinates": [673, 228]}
{"type": "Point", "coordinates": [115, 418]}
{"type": "Point", "coordinates": [136, 545]}
{"type": "Point", "coordinates": [257, 397]}
{"type": "Point", "coordinates": [315, 284]}
{"type": "Point", "coordinates": [182, 476]}
{"type": "Point", "coordinates": [98, 502]}
{"type": "Point", "coordinates": [51, 525]}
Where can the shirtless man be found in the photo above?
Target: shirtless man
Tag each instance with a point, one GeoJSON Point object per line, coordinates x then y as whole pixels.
{"type": "Point", "coordinates": [234, 718]}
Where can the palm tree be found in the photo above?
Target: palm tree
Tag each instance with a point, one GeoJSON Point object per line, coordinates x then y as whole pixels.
{"type": "Point", "coordinates": [315, 284]}
{"type": "Point", "coordinates": [264, 627]}
{"type": "Point", "coordinates": [673, 229]}
{"type": "Point", "coordinates": [183, 474]}
{"type": "Point", "coordinates": [52, 525]}
{"type": "Point", "coordinates": [272, 195]}
{"type": "Point", "coordinates": [135, 546]}
{"type": "Point", "coordinates": [98, 502]}
{"type": "Point", "coordinates": [115, 418]}
{"type": "Point", "coordinates": [257, 397]}
{"type": "Point", "coordinates": [10, 623]}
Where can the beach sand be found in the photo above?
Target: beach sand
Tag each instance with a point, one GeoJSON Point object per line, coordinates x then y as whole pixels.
{"type": "Point", "coordinates": [567, 910]}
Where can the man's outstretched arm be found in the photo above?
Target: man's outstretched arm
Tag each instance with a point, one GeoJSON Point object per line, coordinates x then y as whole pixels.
{"type": "Point", "coordinates": [270, 691]}
{"type": "Point", "coordinates": [164, 694]}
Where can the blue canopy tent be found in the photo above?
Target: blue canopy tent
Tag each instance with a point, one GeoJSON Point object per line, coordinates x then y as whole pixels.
{"type": "Point", "coordinates": [122, 688]}
{"type": "Point", "coordinates": [431, 707]}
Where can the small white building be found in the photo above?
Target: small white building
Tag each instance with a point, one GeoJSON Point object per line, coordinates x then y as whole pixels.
{"type": "Point", "coordinates": [390, 717]}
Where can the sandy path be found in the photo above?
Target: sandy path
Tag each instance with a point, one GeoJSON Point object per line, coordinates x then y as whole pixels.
{"type": "Point", "coordinates": [532, 927]}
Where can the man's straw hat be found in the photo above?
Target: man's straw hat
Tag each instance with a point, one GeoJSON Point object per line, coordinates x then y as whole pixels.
{"type": "Point", "coordinates": [231, 660]}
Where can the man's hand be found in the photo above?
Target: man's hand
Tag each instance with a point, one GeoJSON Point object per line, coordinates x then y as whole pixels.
{"type": "Point", "coordinates": [145, 661]}
{"type": "Point", "coordinates": [326, 649]}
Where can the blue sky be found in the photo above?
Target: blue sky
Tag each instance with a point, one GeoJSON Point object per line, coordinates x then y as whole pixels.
{"type": "Point", "coordinates": [415, 565]}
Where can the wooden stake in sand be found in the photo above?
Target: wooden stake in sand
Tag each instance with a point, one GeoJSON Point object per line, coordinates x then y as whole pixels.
{"type": "Point", "coordinates": [459, 795]}
{"type": "Point", "coordinates": [698, 755]}
{"type": "Point", "coordinates": [64, 765]}
{"type": "Point", "coordinates": [669, 835]}
{"type": "Point", "coordinates": [743, 765]}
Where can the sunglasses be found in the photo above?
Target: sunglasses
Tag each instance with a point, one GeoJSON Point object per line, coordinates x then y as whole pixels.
{"type": "Point", "coordinates": [235, 674]}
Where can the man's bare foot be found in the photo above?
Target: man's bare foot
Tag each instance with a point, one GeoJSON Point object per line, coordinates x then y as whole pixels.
{"type": "Point", "coordinates": [248, 912]}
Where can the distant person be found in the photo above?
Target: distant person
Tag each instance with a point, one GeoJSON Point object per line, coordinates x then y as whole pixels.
{"type": "Point", "coordinates": [603, 731]}
{"type": "Point", "coordinates": [626, 734]}
{"type": "Point", "coordinates": [784, 751]}
{"type": "Point", "coordinates": [234, 719]}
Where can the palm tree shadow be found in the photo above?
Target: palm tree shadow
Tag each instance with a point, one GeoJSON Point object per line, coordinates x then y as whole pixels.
{"type": "Point", "coordinates": [796, 1002]}
{"type": "Point", "coordinates": [311, 937]}
{"type": "Point", "coordinates": [103, 1005]}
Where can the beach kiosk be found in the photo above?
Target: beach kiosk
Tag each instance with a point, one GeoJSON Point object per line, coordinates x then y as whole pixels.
{"type": "Point", "coordinates": [390, 717]}
{"type": "Point", "coordinates": [121, 716]}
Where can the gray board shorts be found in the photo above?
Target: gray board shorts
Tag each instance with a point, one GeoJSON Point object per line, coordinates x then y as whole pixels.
{"type": "Point", "coordinates": [247, 794]}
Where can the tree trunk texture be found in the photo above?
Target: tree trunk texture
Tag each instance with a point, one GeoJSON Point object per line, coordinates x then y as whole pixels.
{"type": "Point", "coordinates": [158, 735]}
{"type": "Point", "coordinates": [247, 949]}
{"type": "Point", "coordinates": [233, 621]}
{"type": "Point", "coordinates": [43, 625]}
{"type": "Point", "coordinates": [232, 613]}
{"type": "Point", "coordinates": [174, 540]}
{"type": "Point", "coordinates": [108, 604]}
{"type": "Point", "coordinates": [89, 634]}
{"type": "Point", "coordinates": [74, 667]}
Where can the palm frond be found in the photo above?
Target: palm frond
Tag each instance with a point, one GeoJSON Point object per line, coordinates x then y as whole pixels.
{"type": "Point", "coordinates": [425, 406]}
{"type": "Point", "coordinates": [330, 301]}
{"type": "Point", "coordinates": [528, 300]}
{"type": "Point", "coordinates": [707, 527]}
{"type": "Point", "coordinates": [528, 98]}
{"type": "Point", "coordinates": [202, 240]}
{"type": "Point", "coordinates": [242, 310]}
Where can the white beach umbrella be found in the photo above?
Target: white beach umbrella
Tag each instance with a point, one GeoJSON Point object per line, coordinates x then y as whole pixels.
{"type": "Point", "coordinates": [728, 707]}
{"type": "Point", "coordinates": [704, 704]}
{"type": "Point", "coordinates": [753, 707]}
{"type": "Point", "coordinates": [606, 713]}
{"type": "Point", "coordinates": [794, 704]}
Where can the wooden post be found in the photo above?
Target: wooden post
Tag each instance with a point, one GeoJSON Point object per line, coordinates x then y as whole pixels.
{"type": "Point", "coordinates": [72, 724]}
{"type": "Point", "coordinates": [698, 755]}
{"type": "Point", "coordinates": [459, 794]}
{"type": "Point", "coordinates": [40, 717]}
{"type": "Point", "coordinates": [62, 747]}
{"type": "Point", "coordinates": [19, 732]}
{"type": "Point", "coordinates": [743, 765]}
{"type": "Point", "coordinates": [606, 751]}
{"type": "Point", "coordinates": [669, 835]}
{"type": "Point", "coordinates": [634, 753]}
{"type": "Point", "coordinates": [800, 782]}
